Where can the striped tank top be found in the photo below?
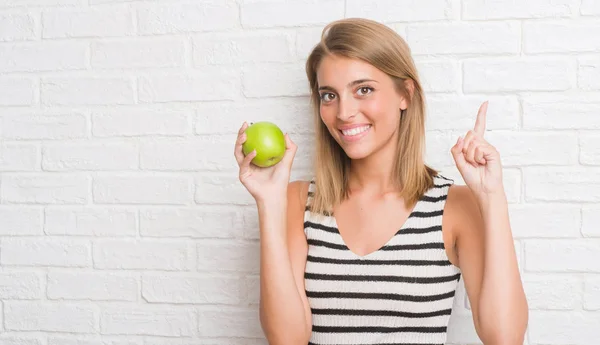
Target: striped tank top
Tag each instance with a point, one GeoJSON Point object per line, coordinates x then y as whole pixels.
{"type": "Point", "coordinates": [399, 294]}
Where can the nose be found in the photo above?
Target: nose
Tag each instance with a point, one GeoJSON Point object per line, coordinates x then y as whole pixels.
{"type": "Point", "coordinates": [347, 109]}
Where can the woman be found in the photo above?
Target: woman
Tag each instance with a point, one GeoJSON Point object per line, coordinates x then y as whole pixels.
{"type": "Point", "coordinates": [362, 253]}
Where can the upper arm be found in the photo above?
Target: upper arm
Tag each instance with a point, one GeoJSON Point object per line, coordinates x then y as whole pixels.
{"type": "Point", "coordinates": [467, 227]}
{"type": "Point", "coordinates": [297, 246]}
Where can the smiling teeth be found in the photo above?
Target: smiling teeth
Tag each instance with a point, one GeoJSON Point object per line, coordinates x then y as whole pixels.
{"type": "Point", "coordinates": [355, 131]}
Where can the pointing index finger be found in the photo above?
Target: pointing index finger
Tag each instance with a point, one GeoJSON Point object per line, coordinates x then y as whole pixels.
{"type": "Point", "coordinates": [481, 118]}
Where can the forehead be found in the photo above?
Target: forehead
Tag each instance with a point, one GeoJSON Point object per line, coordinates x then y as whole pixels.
{"type": "Point", "coordinates": [339, 70]}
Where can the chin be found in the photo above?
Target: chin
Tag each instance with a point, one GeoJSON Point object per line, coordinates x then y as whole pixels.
{"type": "Point", "coordinates": [357, 152]}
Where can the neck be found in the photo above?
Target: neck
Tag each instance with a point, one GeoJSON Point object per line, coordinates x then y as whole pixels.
{"type": "Point", "coordinates": [374, 173]}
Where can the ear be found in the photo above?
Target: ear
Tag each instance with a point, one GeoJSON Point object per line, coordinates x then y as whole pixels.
{"type": "Point", "coordinates": [409, 90]}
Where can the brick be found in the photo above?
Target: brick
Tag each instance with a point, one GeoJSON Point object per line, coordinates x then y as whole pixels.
{"type": "Point", "coordinates": [88, 340]}
{"type": "Point", "coordinates": [90, 156]}
{"type": "Point", "coordinates": [438, 146]}
{"type": "Point", "coordinates": [545, 221]}
{"type": "Point", "coordinates": [566, 38]}
{"type": "Point", "coordinates": [207, 222]}
{"type": "Point", "coordinates": [45, 252]}
{"type": "Point", "coordinates": [548, 111]}
{"type": "Point", "coordinates": [17, 91]}
{"type": "Point", "coordinates": [142, 255]}
{"type": "Point", "coordinates": [20, 286]}
{"type": "Point", "coordinates": [18, 157]}
{"type": "Point", "coordinates": [575, 255]}
{"type": "Point", "coordinates": [590, 7]}
{"type": "Point", "coordinates": [558, 327]}
{"type": "Point", "coordinates": [228, 49]}
{"type": "Point", "coordinates": [46, 127]}
{"type": "Point", "coordinates": [207, 84]}
{"type": "Point", "coordinates": [590, 221]}
{"type": "Point", "coordinates": [92, 286]}
{"type": "Point", "coordinates": [50, 317]}
{"type": "Point", "coordinates": [284, 80]}
{"type": "Point", "coordinates": [38, 3]}
{"type": "Point", "coordinates": [220, 256]}
{"type": "Point", "coordinates": [201, 16]}
{"type": "Point", "coordinates": [591, 292]}
{"type": "Point", "coordinates": [306, 39]}
{"type": "Point", "coordinates": [553, 292]}
{"type": "Point", "coordinates": [464, 38]}
{"type": "Point", "coordinates": [17, 27]}
{"type": "Point", "coordinates": [534, 74]}
{"type": "Point", "coordinates": [291, 116]}
{"type": "Point", "coordinates": [191, 290]}
{"type": "Point", "coordinates": [588, 73]}
{"type": "Point", "coordinates": [446, 112]}
{"type": "Point", "coordinates": [142, 189]}
{"type": "Point", "coordinates": [44, 189]}
{"type": "Point", "coordinates": [252, 290]}
{"type": "Point", "coordinates": [507, 9]}
{"type": "Point", "coordinates": [566, 184]}
{"type": "Point", "coordinates": [21, 221]}
{"type": "Point", "coordinates": [589, 150]}
{"type": "Point", "coordinates": [197, 154]}
{"type": "Point", "coordinates": [165, 321]}
{"type": "Point", "coordinates": [87, 22]}
{"type": "Point", "coordinates": [152, 52]}
{"type": "Point", "coordinates": [231, 322]}
{"type": "Point", "coordinates": [401, 11]}
{"type": "Point", "coordinates": [90, 221]}
{"type": "Point", "coordinates": [221, 189]}
{"type": "Point", "coordinates": [18, 340]}
{"type": "Point", "coordinates": [140, 122]}
{"type": "Point", "coordinates": [519, 149]}
{"type": "Point", "coordinates": [276, 13]}
{"type": "Point", "coordinates": [25, 57]}
{"type": "Point", "coordinates": [87, 91]}
{"type": "Point", "coordinates": [439, 75]}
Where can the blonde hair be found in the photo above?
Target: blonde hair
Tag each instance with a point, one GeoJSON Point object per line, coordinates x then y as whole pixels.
{"type": "Point", "coordinates": [383, 48]}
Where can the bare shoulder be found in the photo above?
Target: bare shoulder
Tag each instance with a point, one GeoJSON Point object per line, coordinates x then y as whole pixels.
{"type": "Point", "coordinates": [462, 218]}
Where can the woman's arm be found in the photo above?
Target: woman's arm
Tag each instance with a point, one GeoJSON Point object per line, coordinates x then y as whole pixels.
{"type": "Point", "coordinates": [484, 242]}
{"type": "Point", "coordinates": [487, 259]}
{"type": "Point", "coordinates": [284, 311]}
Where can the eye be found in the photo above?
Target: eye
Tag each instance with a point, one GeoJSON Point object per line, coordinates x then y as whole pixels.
{"type": "Point", "coordinates": [327, 97]}
{"type": "Point", "coordinates": [362, 91]}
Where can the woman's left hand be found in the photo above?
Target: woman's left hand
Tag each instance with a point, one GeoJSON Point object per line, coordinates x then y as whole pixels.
{"type": "Point", "coordinates": [477, 161]}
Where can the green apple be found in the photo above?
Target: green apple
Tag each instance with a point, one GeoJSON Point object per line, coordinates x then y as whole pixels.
{"type": "Point", "coordinates": [268, 141]}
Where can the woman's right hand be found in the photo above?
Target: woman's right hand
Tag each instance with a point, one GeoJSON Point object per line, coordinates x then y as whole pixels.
{"type": "Point", "coordinates": [264, 183]}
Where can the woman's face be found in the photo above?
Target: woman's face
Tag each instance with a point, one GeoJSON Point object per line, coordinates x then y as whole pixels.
{"type": "Point", "coordinates": [360, 105]}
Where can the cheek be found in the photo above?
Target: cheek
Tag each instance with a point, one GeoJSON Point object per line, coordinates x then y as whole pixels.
{"type": "Point", "coordinates": [381, 111]}
{"type": "Point", "coordinates": [327, 114]}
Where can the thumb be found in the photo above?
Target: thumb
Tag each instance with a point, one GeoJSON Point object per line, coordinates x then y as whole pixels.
{"type": "Point", "coordinates": [290, 151]}
{"type": "Point", "coordinates": [457, 154]}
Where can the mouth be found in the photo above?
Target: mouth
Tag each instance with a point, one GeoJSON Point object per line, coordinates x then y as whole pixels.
{"type": "Point", "coordinates": [356, 133]}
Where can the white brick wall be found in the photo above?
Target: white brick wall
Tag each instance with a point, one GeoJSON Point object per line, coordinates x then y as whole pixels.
{"type": "Point", "coordinates": [122, 221]}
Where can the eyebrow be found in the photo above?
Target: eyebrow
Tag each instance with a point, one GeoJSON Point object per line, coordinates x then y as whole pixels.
{"type": "Point", "coordinates": [359, 81]}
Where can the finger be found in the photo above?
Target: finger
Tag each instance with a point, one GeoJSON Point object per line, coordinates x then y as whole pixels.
{"type": "Point", "coordinates": [243, 128]}
{"type": "Point", "coordinates": [469, 137]}
{"type": "Point", "coordinates": [479, 153]}
{"type": "Point", "coordinates": [457, 154]}
{"type": "Point", "coordinates": [470, 155]}
{"type": "Point", "coordinates": [245, 165]}
{"type": "Point", "coordinates": [290, 150]}
{"type": "Point", "coordinates": [241, 138]}
{"type": "Point", "coordinates": [481, 118]}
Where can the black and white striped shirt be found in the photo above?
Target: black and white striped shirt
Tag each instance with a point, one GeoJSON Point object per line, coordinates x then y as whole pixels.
{"type": "Point", "coordinates": [400, 294]}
